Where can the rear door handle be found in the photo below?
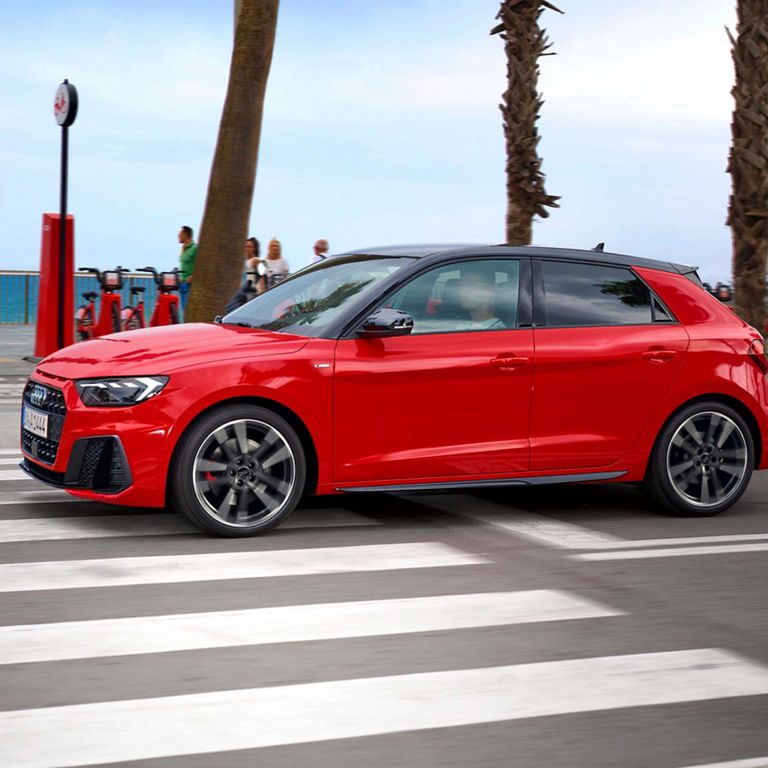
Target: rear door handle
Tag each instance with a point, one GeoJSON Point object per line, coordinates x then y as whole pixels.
{"type": "Point", "coordinates": [659, 354]}
{"type": "Point", "coordinates": [507, 362]}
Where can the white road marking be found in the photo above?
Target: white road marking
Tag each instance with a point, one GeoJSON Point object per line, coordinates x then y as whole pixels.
{"type": "Point", "coordinates": [638, 554]}
{"type": "Point", "coordinates": [544, 530]}
{"type": "Point", "coordinates": [749, 762]}
{"type": "Point", "coordinates": [10, 461]}
{"type": "Point", "coordinates": [288, 624]}
{"type": "Point", "coordinates": [42, 496]}
{"type": "Point", "coordinates": [13, 474]}
{"type": "Point", "coordinates": [107, 526]}
{"type": "Point", "coordinates": [202, 723]}
{"type": "Point", "coordinates": [169, 569]}
{"type": "Point", "coordinates": [95, 527]}
{"type": "Point", "coordinates": [10, 452]}
{"type": "Point", "coordinates": [561, 535]}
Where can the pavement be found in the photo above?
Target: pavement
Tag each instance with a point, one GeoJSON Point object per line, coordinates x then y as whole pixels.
{"type": "Point", "coordinates": [17, 348]}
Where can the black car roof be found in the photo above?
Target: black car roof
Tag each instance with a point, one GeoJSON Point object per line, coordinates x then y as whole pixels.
{"type": "Point", "coordinates": [574, 254]}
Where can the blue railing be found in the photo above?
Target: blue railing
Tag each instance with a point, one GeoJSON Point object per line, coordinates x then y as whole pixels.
{"type": "Point", "coordinates": [19, 292]}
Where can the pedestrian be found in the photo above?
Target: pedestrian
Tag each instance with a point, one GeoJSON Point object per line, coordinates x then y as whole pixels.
{"type": "Point", "coordinates": [186, 262]}
{"type": "Point", "coordinates": [321, 251]}
{"type": "Point", "coordinates": [277, 266]}
{"type": "Point", "coordinates": [252, 282]}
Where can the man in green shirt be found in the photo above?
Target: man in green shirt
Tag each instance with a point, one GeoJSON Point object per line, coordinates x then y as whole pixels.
{"type": "Point", "coordinates": [187, 262]}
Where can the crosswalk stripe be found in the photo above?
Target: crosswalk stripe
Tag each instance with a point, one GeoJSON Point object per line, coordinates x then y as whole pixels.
{"type": "Point", "coordinates": [169, 569]}
{"type": "Point", "coordinates": [288, 624]}
{"type": "Point", "coordinates": [13, 474]}
{"type": "Point", "coordinates": [638, 554]}
{"type": "Point", "coordinates": [42, 496]}
{"type": "Point", "coordinates": [95, 527]}
{"type": "Point", "coordinates": [201, 723]}
{"type": "Point", "coordinates": [4, 460]}
{"type": "Point", "coordinates": [539, 528]}
{"type": "Point", "coordinates": [108, 526]}
{"type": "Point", "coordinates": [750, 762]}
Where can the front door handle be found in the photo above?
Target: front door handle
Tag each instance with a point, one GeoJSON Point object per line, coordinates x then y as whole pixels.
{"type": "Point", "coordinates": [659, 355]}
{"type": "Point", "coordinates": [508, 362]}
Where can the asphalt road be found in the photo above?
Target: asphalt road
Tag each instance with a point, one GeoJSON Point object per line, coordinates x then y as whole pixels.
{"type": "Point", "coordinates": [555, 627]}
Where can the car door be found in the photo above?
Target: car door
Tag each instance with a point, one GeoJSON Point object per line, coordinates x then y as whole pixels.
{"type": "Point", "coordinates": [607, 352]}
{"type": "Point", "coordinates": [452, 399]}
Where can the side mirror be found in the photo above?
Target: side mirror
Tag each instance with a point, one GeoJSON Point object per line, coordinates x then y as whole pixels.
{"type": "Point", "coordinates": [385, 322]}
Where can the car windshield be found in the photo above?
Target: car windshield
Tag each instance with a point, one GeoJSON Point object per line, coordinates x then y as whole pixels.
{"type": "Point", "coordinates": [308, 302]}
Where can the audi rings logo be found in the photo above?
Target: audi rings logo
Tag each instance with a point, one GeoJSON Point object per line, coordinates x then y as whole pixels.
{"type": "Point", "coordinates": [37, 395]}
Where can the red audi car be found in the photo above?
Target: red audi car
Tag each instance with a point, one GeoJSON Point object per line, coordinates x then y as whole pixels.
{"type": "Point", "coordinates": [414, 368]}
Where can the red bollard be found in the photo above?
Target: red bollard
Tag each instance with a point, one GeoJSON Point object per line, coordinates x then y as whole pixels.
{"type": "Point", "coordinates": [47, 331]}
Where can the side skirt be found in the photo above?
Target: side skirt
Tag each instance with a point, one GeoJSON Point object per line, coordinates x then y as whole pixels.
{"type": "Point", "coordinates": [588, 477]}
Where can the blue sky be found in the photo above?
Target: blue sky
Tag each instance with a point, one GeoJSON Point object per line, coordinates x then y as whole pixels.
{"type": "Point", "coordinates": [381, 126]}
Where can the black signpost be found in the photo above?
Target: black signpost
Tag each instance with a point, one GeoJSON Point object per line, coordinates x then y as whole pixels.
{"type": "Point", "coordinates": [65, 112]}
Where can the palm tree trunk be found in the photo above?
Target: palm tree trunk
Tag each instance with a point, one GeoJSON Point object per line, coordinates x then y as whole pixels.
{"type": "Point", "coordinates": [524, 42]}
{"type": "Point", "coordinates": [748, 162]}
{"type": "Point", "coordinates": [219, 262]}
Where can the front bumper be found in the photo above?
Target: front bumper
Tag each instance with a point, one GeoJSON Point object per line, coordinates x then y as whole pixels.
{"type": "Point", "coordinates": [97, 464]}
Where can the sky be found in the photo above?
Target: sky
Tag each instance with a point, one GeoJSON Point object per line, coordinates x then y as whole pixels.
{"type": "Point", "coordinates": [381, 126]}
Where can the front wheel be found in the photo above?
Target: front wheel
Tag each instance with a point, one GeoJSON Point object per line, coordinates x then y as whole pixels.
{"type": "Point", "coordinates": [702, 461]}
{"type": "Point", "coordinates": [238, 472]}
{"type": "Point", "coordinates": [173, 311]}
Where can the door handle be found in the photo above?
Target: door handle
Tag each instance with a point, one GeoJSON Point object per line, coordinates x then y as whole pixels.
{"type": "Point", "coordinates": [507, 362]}
{"type": "Point", "coordinates": [659, 354]}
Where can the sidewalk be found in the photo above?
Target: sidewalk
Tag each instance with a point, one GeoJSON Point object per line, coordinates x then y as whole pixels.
{"type": "Point", "coordinates": [16, 343]}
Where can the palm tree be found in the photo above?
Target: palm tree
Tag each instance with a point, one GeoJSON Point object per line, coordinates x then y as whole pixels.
{"type": "Point", "coordinates": [748, 161]}
{"type": "Point", "coordinates": [219, 261]}
{"type": "Point", "coordinates": [524, 42]}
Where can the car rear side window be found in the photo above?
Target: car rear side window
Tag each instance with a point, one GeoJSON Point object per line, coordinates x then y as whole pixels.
{"type": "Point", "coordinates": [593, 294]}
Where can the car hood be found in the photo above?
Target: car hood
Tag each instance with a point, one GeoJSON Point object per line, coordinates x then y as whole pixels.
{"type": "Point", "coordinates": [165, 349]}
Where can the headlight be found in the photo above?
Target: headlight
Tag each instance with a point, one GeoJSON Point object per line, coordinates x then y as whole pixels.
{"type": "Point", "coordinates": [119, 391]}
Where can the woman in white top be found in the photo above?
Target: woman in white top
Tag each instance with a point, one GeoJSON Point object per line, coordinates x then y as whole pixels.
{"type": "Point", "coordinates": [276, 264]}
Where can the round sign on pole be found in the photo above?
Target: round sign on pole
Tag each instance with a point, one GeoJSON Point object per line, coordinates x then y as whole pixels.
{"type": "Point", "coordinates": [65, 104]}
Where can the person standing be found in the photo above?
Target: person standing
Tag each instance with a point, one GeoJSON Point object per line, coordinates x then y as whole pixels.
{"type": "Point", "coordinates": [252, 284]}
{"type": "Point", "coordinates": [321, 251]}
{"type": "Point", "coordinates": [277, 266]}
{"type": "Point", "coordinates": [186, 263]}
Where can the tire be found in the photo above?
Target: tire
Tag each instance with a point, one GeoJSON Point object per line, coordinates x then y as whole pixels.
{"type": "Point", "coordinates": [173, 311]}
{"type": "Point", "coordinates": [239, 471]}
{"type": "Point", "coordinates": [81, 336]}
{"type": "Point", "coordinates": [116, 324]}
{"type": "Point", "coordinates": [702, 461]}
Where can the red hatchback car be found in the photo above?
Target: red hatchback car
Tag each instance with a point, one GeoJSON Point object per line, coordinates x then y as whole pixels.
{"type": "Point", "coordinates": [414, 368]}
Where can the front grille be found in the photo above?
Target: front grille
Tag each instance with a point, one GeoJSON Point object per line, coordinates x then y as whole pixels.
{"type": "Point", "coordinates": [49, 400]}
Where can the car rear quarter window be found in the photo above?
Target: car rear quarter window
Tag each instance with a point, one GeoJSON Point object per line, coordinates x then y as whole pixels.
{"type": "Point", "coordinates": [578, 294]}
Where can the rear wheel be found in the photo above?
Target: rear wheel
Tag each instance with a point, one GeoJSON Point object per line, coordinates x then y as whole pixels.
{"type": "Point", "coordinates": [702, 461]}
{"type": "Point", "coordinates": [239, 471]}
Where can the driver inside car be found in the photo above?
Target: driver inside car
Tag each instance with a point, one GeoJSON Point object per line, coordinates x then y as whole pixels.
{"type": "Point", "coordinates": [476, 296]}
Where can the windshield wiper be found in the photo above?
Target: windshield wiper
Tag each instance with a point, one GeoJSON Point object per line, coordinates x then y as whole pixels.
{"type": "Point", "coordinates": [241, 324]}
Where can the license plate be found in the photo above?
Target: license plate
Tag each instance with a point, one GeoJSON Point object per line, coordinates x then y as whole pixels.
{"type": "Point", "coordinates": [35, 422]}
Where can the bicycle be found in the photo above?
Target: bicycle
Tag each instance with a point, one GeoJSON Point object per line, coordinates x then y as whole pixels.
{"type": "Point", "coordinates": [86, 325]}
{"type": "Point", "coordinates": [132, 316]}
{"type": "Point", "coordinates": [166, 310]}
